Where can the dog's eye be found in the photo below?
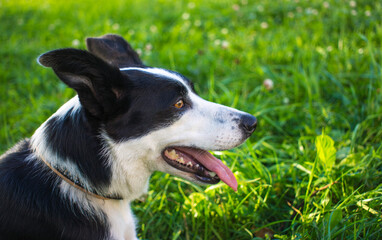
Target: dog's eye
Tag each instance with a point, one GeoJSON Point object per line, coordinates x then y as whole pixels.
{"type": "Point", "coordinates": [179, 104]}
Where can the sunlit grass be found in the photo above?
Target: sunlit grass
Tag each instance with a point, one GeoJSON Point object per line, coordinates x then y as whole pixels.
{"type": "Point", "coordinates": [324, 60]}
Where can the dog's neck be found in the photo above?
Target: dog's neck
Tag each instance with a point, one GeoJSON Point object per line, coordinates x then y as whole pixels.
{"type": "Point", "coordinates": [67, 143]}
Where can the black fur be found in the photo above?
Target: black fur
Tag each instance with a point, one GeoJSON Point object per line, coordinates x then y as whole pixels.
{"type": "Point", "coordinates": [149, 106]}
{"type": "Point", "coordinates": [32, 208]}
{"type": "Point", "coordinates": [97, 83]}
{"type": "Point", "coordinates": [114, 50]}
{"type": "Point", "coordinates": [73, 139]}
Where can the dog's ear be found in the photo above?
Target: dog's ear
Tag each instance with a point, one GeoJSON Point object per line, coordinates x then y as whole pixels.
{"type": "Point", "coordinates": [115, 50]}
{"type": "Point", "coordinates": [97, 83]}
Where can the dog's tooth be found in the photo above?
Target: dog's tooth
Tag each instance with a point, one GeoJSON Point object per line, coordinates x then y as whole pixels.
{"type": "Point", "coordinates": [212, 174]}
{"type": "Point", "coordinates": [175, 154]}
{"type": "Point", "coordinates": [181, 160]}
{"type": "Point", "coordinates": [189, 164]}
{"type": "Point", "coordinates": [172, 154]}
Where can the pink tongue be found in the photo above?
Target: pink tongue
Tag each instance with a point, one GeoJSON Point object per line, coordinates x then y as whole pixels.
{"type": "Point", "coordinates": [213, 164]}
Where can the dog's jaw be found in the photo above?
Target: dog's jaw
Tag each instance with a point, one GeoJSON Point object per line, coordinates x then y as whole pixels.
{"type": "Point", "coordinates": [207, 126]}
{"type": "Point", "coordinates": [204, 125]}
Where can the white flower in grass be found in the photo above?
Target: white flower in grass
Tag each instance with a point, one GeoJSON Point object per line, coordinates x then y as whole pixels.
{"type": "Point", "coordinates": [115, 26]}
{"type": "Point", "coordinates": [360, 51]}
{"type": "Point", "coordinates": [75, 43]}
{"type": "Point", "coordinates": [326, 5]}
{"type": "Point", "coordinates": [286, 100]}
{"type": "Point", "coordinates": [153, 28]}
{"type": "Point", "coordinates": [186, 16]}
{"type": "Point", "coordinates": [329, 48]}
{"type": "Point", "coordinates": [268, 84]}
{"type": "Point", "coordinates": [264, 25]}
{"type": "Point", "coordinates": [224, 31]}
{"type": "Point", "coordinates": [148, 47]}
{"type": "Point", "coordinates": [225, 44]}
{"type": "Point", "coordinates": [368, 13]}
{"type": "Point", "coordinates": [352, 4]}
{"type": "Point", "coordinates": [353, 12]}
{"type": "Point", "coordinates": [217, 42]}
{"type": "Point", "coordinates": [260, 8]}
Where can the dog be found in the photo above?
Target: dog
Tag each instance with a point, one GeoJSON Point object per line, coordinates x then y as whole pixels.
{"type": "Point", "coordinates": [77, 175]}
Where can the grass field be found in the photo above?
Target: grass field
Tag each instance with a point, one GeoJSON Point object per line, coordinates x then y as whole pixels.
{"type": "Point", "coordinates": [312, 170]}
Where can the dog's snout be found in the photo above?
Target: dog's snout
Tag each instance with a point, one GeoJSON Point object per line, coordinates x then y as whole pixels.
{"type": "Point", "coordinates": [248, 124]}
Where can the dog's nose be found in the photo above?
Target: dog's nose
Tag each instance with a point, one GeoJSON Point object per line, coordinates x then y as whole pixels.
{"type": "Point", "coordinates": [248, 124]}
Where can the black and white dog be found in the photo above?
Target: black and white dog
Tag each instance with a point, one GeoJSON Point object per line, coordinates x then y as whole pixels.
{"type": "Point", "coordinates": [76, 176]}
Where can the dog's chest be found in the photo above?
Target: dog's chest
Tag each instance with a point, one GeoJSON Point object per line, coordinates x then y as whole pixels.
{"type": "Point", "coordinates": [121, 220]}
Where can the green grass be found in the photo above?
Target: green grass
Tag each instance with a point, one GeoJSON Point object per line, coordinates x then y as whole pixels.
{"type": "Point", "coordinates": [325, 61]}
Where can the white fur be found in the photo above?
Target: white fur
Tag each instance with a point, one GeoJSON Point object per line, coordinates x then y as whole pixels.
{"type": "Point", "coordinates": [72, 103]}
{"type": "Point", "coordinates": [157, 71]}
{"type": "Point", "coordinates": [130, 173]}
{"type": "Point", "coordinates": [121, 219]}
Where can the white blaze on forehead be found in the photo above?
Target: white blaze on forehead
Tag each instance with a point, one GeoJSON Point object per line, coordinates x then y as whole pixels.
{"type": "Point", "coordinates": [158, 72]}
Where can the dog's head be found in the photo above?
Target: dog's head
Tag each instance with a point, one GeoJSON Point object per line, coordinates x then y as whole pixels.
{"type": "Point", "coordinates": [149, 117]}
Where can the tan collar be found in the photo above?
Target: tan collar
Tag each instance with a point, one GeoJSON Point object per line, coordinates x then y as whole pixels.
{"type": "Point", "coordinates": [77, 184]}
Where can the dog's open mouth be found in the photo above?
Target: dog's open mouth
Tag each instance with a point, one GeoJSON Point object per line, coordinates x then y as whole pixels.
{"type": "Point", "coordinates": [205, 167]}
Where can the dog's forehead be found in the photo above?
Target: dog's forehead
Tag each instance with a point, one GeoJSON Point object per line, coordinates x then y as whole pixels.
{"type": "Point", "coordinates": [161, 73]}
